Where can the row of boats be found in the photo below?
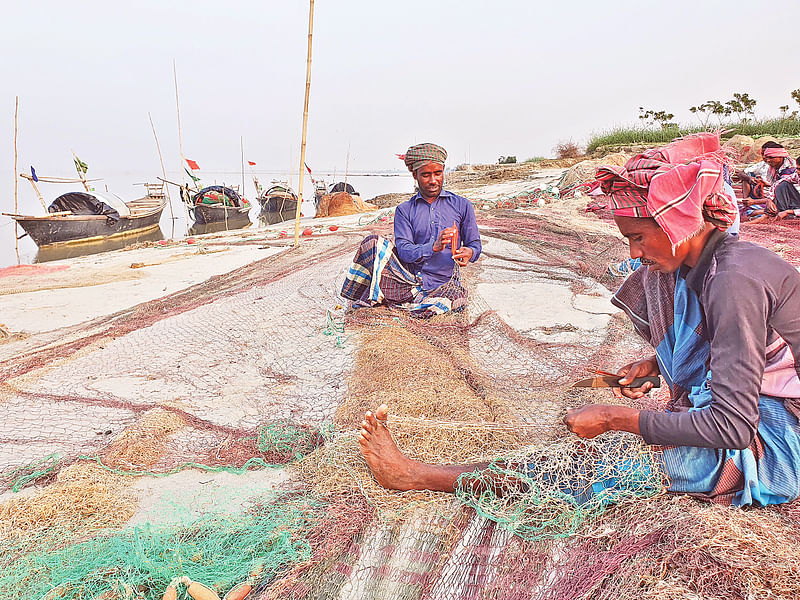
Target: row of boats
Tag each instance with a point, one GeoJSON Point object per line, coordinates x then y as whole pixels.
{"type": "Point", "coordinates": [88, 215]}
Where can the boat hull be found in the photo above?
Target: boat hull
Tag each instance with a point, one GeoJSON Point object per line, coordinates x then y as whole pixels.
{"type": "Point", "coordinates": [276, 209]}
{"type": "Point", "coordinates": [72, 229]}
{"type": "Point", "coordinates": [235, 217]}
{"type": "Point", "coordinates": [85, 248]}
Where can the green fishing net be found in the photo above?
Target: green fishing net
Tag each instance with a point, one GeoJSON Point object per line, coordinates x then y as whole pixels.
{"type": "Point", "coordinates": [218, 550]}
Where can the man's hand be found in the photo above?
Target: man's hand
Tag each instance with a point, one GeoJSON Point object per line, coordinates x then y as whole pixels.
{"type": "Point", "coordinates": [463, 255]}
{"type": "Point", "coordinates": [647, 367]}
{"type": "Point", "coordinates": [784, 213]}
{"type": "Point", "coordinates": [445, 237]}
{"type": "Point", "coordinates": [772, 208]}
{"type": "Point", "coordinates": [588, 421]}
{"type": "Point", "coordinates": [593, 419]}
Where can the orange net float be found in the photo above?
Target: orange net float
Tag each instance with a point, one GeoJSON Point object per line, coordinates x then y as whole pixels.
{"type": "Point", "coordinates": [171, 593]}
{"type": "Point", "coordinates": [454, 240]}
{"type": "Point", "coordinates": [239, 592]}
{"type": "Point", "coordinates": [198, 591]}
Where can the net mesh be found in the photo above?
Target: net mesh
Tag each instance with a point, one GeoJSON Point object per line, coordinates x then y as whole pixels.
{"type": "Point", "coordinates": [212, 435]}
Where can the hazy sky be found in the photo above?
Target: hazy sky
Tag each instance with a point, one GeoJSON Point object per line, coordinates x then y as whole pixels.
{"type": "Point", "coordinates": [481, 78]}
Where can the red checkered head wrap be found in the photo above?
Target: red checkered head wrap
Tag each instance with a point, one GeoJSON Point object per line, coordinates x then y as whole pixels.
{"type": "Point", "coordinates": [420, 155]}
{"type": "Point", "coordinates": [776, 153]}
{"type": "Point", "coordinates": [679, 185]}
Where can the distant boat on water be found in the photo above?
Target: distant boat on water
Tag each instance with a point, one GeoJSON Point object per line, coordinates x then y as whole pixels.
{"type": "Point", "coordinates": [89, 215]}
{"type": "Point", "coordinates": [217, 204]}
{"type": "Point", "coordinates": [278, 203]}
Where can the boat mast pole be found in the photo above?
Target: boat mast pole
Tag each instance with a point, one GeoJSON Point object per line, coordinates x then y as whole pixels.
{"type": "Point", "coordinates": [305, 125]}
{"type": "Point", "coordinates": [241, 147]}
{"type": "Point", "coordinates": [180, 144]}
{"type": "Point", "coordinates": [16, 179]}
{"type": "Point", "coordinates": [164, 174]}
{"type": "Point", "coordinates": [35, 189]}
{"type": "Point", "coordinates": [346, 166]}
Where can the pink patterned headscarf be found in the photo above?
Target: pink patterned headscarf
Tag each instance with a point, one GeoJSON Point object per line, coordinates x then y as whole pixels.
{"type": "Point", "coordinates": [776, 153]}
{"type": "Point", "coordinates": [679, 185]}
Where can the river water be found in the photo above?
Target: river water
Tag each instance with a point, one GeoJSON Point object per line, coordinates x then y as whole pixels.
{"type": "Point", "coordinates": [174, 225]}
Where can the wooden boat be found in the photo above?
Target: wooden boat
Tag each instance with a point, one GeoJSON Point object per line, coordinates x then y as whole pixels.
{"type": "Point", "coordinates": [278, 204]}
{"type": "Point", "coordinates": [116, 220]}
{"type": "Point", "coordinates": [218, 204]}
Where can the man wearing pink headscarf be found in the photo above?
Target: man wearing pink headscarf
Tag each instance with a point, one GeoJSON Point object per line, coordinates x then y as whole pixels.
{"type": "Point", "coordinates": [723, 317]}
{"type": "Point", "coordinates": [782, 197]}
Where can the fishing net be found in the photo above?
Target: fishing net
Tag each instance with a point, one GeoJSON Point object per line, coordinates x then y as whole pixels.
{"type": "Point", "coordinates": [782, 237]}
{"type": "Point", "coordinates": [221, 550]}
{"type": "Point", "coordinates": [586, 170]}
{"type": "Point", "coordinates": [212, 435]}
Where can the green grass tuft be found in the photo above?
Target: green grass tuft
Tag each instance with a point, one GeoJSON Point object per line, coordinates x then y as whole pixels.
{"type": "Point", "coordinates": [621, 136]}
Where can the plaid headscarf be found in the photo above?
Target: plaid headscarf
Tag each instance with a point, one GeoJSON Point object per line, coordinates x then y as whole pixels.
{"type": "Point", "coordinates": [677, 185]}
{"type": "Point", "coordinates": [420, 155]}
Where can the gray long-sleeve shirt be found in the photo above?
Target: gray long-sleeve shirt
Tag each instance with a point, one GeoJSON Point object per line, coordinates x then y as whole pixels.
{"type": "Point", "coordinates": [749, 296]}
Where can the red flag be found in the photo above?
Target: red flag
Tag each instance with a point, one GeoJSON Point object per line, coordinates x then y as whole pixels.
{"type": "Point", "coordinates": [307, 169]}
{"type": "Point", "coordinates": [251, 163]}
{"type": "Point", "coordinates": [192, 165]}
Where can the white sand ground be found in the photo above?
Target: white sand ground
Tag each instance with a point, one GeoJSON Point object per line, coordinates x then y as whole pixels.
{"type": "Point", "coordinates": [49, 309]}
{"type": "Point", "coordinates": [538, 307]}
{"type": "Point", "coordinates": [191, 494]}
{"type": "Point", "coordinates": [167, 269]}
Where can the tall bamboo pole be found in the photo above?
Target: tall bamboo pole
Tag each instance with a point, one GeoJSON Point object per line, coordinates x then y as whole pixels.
{"type": "Point", "coordinates": [164, 175]}
{"type": "Point", "coordinates": [16, 178]}
{"type": "Point", "coordinates": [180, 143]}
{"type": "Point", "coordinates": [305, 126]}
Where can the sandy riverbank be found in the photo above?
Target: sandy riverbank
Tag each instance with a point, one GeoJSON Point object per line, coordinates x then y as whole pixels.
{"type": "Point", "coordinates": [76, 290]}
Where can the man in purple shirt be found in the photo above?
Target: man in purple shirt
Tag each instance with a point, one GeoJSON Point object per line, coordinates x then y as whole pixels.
{"type": "Point", "coordinates": [423, 225]}
{"type": "Point", "coordinates": [418, 272]}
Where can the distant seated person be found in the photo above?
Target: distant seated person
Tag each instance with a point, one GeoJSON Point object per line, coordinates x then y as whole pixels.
{"type": "Point", "coordinates": [781, 169]}
{"type": "Point", "coordinates": [419, 271]}
{"type": "Point", "coordinates": [786, 194]}
{"type": "Point", "coordinates": [753, 178]}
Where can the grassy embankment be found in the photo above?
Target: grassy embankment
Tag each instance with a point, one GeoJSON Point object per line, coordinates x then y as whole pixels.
{"type": "Point", "coordinates": [622, 136]}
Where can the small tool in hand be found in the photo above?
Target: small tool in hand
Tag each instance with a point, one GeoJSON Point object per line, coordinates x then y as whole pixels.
{"type": "Point", "coordinates": [454, 240]}
{"type": "Point", "coordinates": [607, 380]}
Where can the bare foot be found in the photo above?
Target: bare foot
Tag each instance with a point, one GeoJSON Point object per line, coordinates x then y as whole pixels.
{"type": "Point", "coordinates": [391, 468]}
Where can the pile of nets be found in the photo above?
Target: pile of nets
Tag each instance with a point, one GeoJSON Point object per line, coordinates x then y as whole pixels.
{"type": "Point", "coordinates": [581, 252]}
{"type": "Point", "coordinates": [551, 491]}
{"type": "Point", "coordinates": [217, 550]}
{"type": "Point", "coordinates": [584, 172]}
{"type": "Point", "coordinates": [535, 197]}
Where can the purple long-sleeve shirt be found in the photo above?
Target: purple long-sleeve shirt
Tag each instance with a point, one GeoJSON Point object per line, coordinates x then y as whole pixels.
{"type": "Point", "coordinates": [750, 296]}
{"type": "Point", "coordinates": [417, 226]}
